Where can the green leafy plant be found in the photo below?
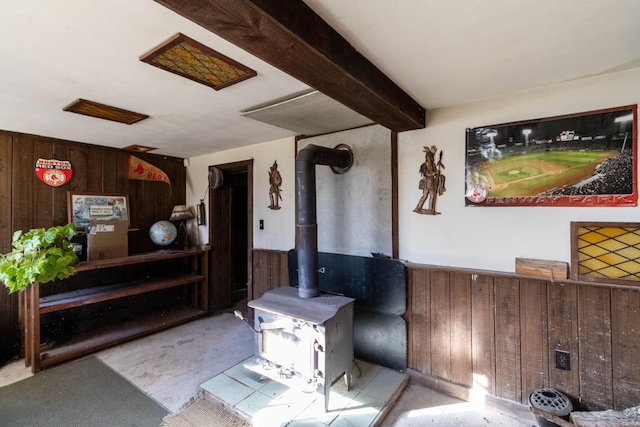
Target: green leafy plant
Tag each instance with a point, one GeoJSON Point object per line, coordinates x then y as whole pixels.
{"type": "Point", "coordinates": [38, 256]}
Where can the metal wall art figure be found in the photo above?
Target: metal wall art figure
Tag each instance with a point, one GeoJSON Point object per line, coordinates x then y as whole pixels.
{"type": "Point", "coordinates": [432, 181]}
{"type": "Point", "coordinates": [275, 180]}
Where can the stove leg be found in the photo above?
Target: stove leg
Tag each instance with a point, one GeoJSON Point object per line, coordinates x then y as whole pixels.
{"type": "Point", "coordinates": [347, 379]}
{"type": "Point", "coordinates": [327, 392]}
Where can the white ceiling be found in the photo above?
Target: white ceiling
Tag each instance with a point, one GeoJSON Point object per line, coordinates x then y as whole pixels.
{"type": "Point", "coordinates": [441, 52]}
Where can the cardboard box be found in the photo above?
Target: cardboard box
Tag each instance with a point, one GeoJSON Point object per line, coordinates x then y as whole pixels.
{"type": "Point", "coordinates": [107, 239]}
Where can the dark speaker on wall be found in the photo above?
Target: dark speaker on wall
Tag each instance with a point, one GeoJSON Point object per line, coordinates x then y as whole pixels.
{"type": "Point", "coordinates": [216, 178]}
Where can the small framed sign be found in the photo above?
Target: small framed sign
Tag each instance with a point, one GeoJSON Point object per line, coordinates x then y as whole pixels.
{"type": "Point", "coordinates": [83, 207]}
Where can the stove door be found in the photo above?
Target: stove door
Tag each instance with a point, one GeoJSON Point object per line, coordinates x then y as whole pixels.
{"type": "Point", "coordinates": [290, 343]}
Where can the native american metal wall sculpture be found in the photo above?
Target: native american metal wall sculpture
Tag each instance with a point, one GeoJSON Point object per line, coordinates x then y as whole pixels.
{"type": "Point", "coordinates": [275, 181]}
{"type": "Point", "coordinates": [431, 182]}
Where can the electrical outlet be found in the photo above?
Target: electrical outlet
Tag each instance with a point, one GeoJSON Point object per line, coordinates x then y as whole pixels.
{"type": "Point", "coordinates": [563, 360]}
{"type": "Point", "coordinates": [262, 224]}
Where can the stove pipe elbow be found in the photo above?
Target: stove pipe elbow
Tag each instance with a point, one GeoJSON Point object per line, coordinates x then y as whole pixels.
{"type": "Point", "coordinates": [340, 160]}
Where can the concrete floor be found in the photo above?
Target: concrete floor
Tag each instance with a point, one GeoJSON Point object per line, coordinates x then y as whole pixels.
{"type": "Point", "coordinates": [170, 365]}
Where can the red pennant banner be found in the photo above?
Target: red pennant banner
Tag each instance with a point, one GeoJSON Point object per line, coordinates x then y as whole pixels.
{"type": "Point", "coordinates": [141, 170]}
{"type": "Point", "coordinates": [53, 172]}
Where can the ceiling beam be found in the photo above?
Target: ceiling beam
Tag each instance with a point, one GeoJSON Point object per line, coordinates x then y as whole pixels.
{"type": "Point", "coordinates": [290, 36]}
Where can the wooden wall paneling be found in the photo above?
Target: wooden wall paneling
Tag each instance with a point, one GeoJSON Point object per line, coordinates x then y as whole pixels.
{"type": "Point", "coordinates": [219, 277]}
{"type": "Point", "coordinates": [6, 195]}
{"type": "Point", "coordinates": [460, 318]}
{"type": "Point", "coordinates": [251, 285]}
{"type": "Point", "coordinates": [108, 165]}
{"type": "Point", "coordinates": [162, 206]}
{"type": "Point", "coordinates": [594, 332]}
{"type": "Point", "coordinates": [563, 335]}
{"type": "Point", "coordinates": [22, 183]}
{"type": "Point", "coordinates": [61, 151]}
{"type": "Point", "coordinates": [139, 240]}
{"type": "Point", "coordinates": [140, 214]}
{"type": "Point", "coordinates": [284, 269]}
{"type": "Point", "coordinates": [419, 319]}
{"type": "Point", "coordinates": [534, 336]}
{"type": "Point", "coordinates": [270, 271]}
{"type": "Point", "coordinates": [483, 338]}
{"type": "Point", "coordinates": [26, 202]}
{"type": "Point", "coordinates": [275, 268]}
{"type": "Point", "coordinates": [42, 193]}
{"type": "Point", "coordinates": [96, 171]}
{"type": "Point", "coordinates": [22, 215]}
{"type": "Point", "coordinates": [440, 325]}
{"type": "Point", "coordinates": [625, 312]}
{"type": "Point", "coordinates": [122, 181]}
{"type": "Point", "coordinates": [508, 356]}
{"type": "Point", "coordinates": [261, 273]}
{"type": "Point", "coordinates": [150, 201]}
{"type": "Point", "coordinates": [9, 328]}
{"type": "Point", "coordinates": [79, 158]}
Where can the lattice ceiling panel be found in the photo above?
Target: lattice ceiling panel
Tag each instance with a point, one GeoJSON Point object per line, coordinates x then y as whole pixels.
{"type": "Point", "coordinates": [188, 58]}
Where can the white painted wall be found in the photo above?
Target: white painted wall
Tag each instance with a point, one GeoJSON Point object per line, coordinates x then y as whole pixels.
{"type": "Point", "coordinates": [354, 208]}
{"type": "Point", "coordinates": [279, 225]}
{"type": "Point", "coordinates": [487, 238]}
{"type": "Point", "coordinates": [492, 237]}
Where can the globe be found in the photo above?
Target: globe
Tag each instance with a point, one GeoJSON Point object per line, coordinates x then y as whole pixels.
{"type": "Point", "coordinates": [163, 233]}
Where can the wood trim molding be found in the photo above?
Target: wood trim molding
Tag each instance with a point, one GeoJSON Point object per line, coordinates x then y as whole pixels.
{"type": "Point", "coordinates": [395, 240]}
{"type": "Point", "coordinates": [290, 36]}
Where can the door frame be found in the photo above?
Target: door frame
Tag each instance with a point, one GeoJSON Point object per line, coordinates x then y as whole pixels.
{"type": "Point", "coordinates": [233, 167]}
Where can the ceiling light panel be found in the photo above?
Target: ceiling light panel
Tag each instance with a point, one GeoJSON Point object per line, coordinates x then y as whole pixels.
{"type": "Point", "coordinates": [188, 58]}
{"type": "Point", "coordinates": [139, 148]}
{"type": "Point", "coordinates": [106, 112]}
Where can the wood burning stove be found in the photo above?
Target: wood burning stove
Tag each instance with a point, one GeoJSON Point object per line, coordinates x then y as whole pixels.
{"type": "Point", "coordinates": [306, 343]}
{"type": "Point", "coordinates": [305, 337]}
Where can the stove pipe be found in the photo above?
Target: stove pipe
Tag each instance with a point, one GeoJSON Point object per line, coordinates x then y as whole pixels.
{"type": "Point", "coordinates": [340, 160]}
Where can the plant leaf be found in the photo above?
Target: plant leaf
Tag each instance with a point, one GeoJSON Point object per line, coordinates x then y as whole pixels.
{"type": "Point", "coordinates": [39, 255]}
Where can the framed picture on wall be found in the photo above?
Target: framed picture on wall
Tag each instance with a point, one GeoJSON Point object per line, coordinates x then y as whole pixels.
{"type": "Point", "coordinates": [82, 207]}
{"type": "Point", "coordinates": [584, 159]}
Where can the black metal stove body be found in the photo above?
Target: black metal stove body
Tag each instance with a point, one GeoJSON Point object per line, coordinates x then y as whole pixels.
{"type": "Point", "coordinates": [303, 343]}
{"type": "Point", "coordinates": [305, 337]}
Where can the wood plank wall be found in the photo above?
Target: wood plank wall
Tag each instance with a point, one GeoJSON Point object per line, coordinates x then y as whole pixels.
{"type": "Point", "coordinates": [26, 202]}
{"type": "Point", "coordinates": [270, 271]}
{"type": "Point", "coordinates": [498, 333]}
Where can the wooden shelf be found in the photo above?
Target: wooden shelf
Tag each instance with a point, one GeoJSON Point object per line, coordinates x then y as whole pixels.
{"type": "Point", "coordinates": [107, 336]}
{"type": "Point", "coordinates": [191, 276]}
{"type": "Point", "coordinates": [165, 254]}
{"type": "Point", "coordinates": [98, 294]}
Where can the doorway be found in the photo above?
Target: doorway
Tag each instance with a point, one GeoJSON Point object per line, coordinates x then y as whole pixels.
{"type": "Point", "coordinates": [231, 236]}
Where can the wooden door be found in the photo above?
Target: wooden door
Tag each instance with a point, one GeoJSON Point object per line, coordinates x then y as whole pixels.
{"type": "Point", "coordinates": [231, 218]}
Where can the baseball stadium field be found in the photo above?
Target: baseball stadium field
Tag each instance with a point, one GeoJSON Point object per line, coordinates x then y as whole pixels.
{"type": "Point", "coordinates": [535, 173]}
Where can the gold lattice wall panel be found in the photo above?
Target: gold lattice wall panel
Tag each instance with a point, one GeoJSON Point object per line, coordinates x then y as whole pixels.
{"type": "Point", "coordinates": [606, 252]}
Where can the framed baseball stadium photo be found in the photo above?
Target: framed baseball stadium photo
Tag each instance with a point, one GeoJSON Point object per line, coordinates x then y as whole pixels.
{"type": "Point", "coordinates": [583, 159]}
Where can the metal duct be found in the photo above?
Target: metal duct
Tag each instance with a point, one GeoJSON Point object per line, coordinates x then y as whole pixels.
{"type": "Point", "coordinates": [340, 160]}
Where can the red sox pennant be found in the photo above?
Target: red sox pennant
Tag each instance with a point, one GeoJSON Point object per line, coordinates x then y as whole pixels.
{"type": "Point", "coordinates": [141, 170]}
